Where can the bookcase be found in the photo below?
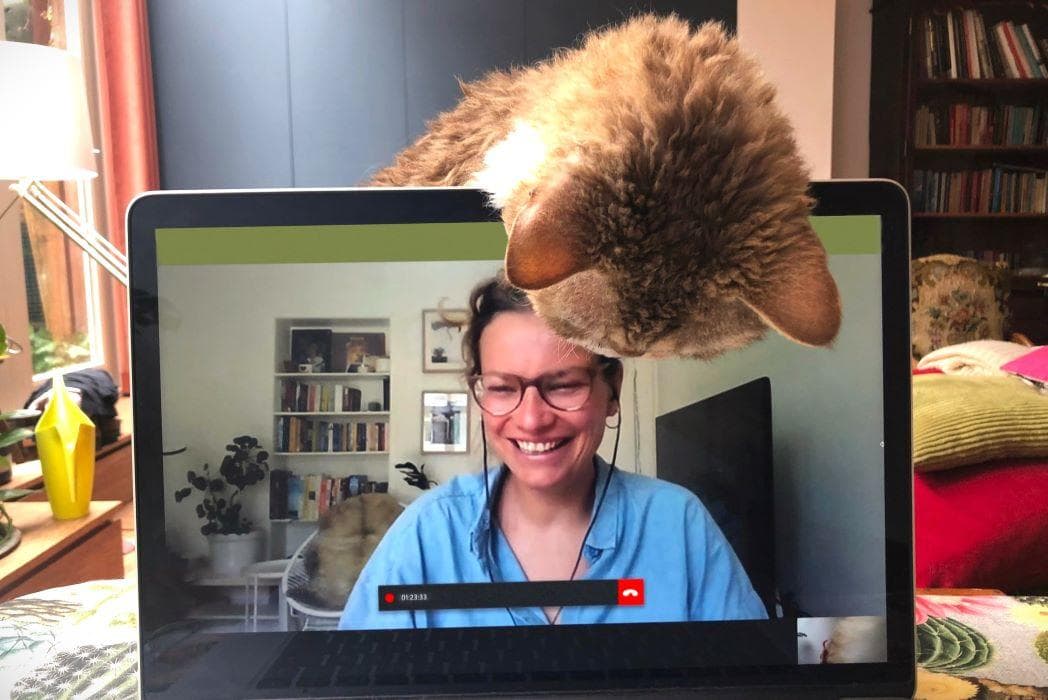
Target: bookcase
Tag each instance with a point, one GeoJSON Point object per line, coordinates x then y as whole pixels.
{"type": "Point", "coordinates": [959, 116]}
{"type": "Point", "coordinates": [331, 411]}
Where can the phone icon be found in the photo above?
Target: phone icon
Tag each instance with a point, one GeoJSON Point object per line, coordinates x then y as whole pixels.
{"type": "Point", "coordinates": [631, 591]}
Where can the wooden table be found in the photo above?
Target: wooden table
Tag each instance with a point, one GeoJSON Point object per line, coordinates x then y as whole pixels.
{"type": "Point", "coordinates": [112, 479]}
{"type": "Point", "coordinates": [60, 552]}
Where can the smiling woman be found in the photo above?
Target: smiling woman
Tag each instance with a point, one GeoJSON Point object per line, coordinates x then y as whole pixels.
{"type": "Point", "coordinates": [553, 510]}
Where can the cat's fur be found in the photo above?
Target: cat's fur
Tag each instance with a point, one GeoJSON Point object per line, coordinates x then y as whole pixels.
{"type": "Point", "coordinates": [347, 535]}
{"type": "Point", "coordinates": [653, 194]}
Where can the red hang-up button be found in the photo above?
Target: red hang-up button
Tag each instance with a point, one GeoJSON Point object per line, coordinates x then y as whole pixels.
{"type": "Point", "coordinates": [631, 591]}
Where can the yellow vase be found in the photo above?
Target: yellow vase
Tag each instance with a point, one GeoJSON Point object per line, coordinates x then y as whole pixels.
{"type": "Point", "coordinates": [65, 440]}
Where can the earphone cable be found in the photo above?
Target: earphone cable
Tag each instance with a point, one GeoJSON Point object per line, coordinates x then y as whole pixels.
{"type": "Point", "coordinates": [491, 513]}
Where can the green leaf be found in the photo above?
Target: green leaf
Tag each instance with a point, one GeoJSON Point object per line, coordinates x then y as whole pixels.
{"type": "Point", "coordinates": [13, 494]}
{"type": "Point", "coordinates": [949, 645]}
{"type": "Point", "coordinates": [19, 414]}
{"type": "Point", "coordinates": [15, 436]}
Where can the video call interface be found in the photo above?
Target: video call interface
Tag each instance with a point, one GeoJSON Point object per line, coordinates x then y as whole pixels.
{"type": "Point", "coordinates": [745, 488]}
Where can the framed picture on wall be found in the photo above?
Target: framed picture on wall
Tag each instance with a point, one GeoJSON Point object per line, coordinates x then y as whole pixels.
{"type": "Point", "coordinates": [442, 331]}
{"type": "Point", "coordinates": [311, 349]}
{"type": "Point", "coordinates": [445, 422]}
{"type": "Point", "coordinates": [357, 352]}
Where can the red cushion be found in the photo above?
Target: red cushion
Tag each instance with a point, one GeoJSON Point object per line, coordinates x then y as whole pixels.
{"type": "Point", "coordinates": [983, 526]}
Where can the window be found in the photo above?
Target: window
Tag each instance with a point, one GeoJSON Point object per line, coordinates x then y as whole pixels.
{"type": "Point", "coordinates": [62, 288]}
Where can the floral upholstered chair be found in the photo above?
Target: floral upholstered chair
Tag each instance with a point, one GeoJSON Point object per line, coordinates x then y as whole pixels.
{"type": "Point", "coordinates": [954, 300]}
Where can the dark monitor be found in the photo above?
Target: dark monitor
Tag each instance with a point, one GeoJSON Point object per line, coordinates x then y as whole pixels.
{"type": "Point", "coordinates": [720, 448]}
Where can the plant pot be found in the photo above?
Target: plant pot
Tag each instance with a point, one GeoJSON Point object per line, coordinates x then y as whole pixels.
{"type": "Point", "coordinates": [231, 553]}
{"type": "Point", "coordinates": [8, 541]}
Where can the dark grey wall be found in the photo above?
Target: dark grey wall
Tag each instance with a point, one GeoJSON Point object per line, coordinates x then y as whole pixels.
{"type": "Point", "coordinates": [312, 93]}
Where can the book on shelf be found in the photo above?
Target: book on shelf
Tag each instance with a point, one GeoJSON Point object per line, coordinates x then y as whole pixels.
{"type": "Point", "coordinates": [310, 434]}
{"type": "Point", "coordinates": [324, 496]}
{"type": "Point", "coordinates": [964, 124]}
{"type": "Point", "coordinates": [351, 399]}
{"type": "Point", "coordinates": [1031, 51]}
{"type": "Point", "coordinates": [993, 257]}
{"type": "Point", "coordinates": [1011, 67]}
{"type": "Point", "coordinates": [310, 397]}
{"type": "Point", "coordinates": [295, 489]}
{"type": "Point", "coordinates": [958, 45]}
{"type": "Point", "coordinates": [309, 510]}
{"type": "Point", "coordinates": [278, 496]}
{"type": "Point", "coordinates": [310, 496]}
{"type": "Point", "coordinates": [1002, 189]}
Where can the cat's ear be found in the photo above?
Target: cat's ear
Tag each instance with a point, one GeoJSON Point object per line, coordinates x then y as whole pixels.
{"type": "Point", "coordinates": [800, 298]}
{"type": "Point", "coordinates": [545, 244]}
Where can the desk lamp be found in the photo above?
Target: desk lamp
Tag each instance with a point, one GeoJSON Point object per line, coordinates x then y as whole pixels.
{"type": "Point", "coordinates": [45, 134]}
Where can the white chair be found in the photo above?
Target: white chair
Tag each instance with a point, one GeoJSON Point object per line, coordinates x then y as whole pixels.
{"type": "Point", "coordinates": [303, 606]}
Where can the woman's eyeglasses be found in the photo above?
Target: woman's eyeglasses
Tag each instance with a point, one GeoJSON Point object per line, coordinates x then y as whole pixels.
{"type": "Point", "coordinates": [565, 390]}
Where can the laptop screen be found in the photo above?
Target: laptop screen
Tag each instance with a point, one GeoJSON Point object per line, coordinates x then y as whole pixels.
{"type": "Point", "coordinates": [327, 465]}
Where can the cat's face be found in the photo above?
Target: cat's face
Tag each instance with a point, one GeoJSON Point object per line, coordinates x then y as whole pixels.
{"type": "Point", "coordinates": [627, 264]}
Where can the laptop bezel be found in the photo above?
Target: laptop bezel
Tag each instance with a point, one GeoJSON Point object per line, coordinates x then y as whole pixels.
{"type": "Point", "coordinates": [300, 207]}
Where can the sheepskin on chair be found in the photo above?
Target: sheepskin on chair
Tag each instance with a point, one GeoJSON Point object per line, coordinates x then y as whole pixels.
{"type": "Point", "coordinates": [347, 535]}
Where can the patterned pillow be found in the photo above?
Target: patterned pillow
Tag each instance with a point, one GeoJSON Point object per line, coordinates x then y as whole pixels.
{"type": "Point", "coordinates": [954, 300]}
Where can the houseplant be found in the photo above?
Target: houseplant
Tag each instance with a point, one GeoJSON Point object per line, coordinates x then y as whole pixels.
{"type": "Point", "coordinates": [416, 476]}
{"type": "Point", "coordinates": [8, 347]}
{"type": "Point", "coordinates": [232, 540]}
{"type": "Point", "coordinates": [10, 535]}
{"type": "Point", "coordinates": [11, 435]}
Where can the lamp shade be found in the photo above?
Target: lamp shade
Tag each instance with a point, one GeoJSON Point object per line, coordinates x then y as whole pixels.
{"type": "Point", "coordinates": [45, 128]}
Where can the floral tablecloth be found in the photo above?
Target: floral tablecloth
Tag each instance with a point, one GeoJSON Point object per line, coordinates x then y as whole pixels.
{"type": "Point", "coordinates": [79, 642]}
{"type": "Point", "coordinates": [982, 647]}
{"type": "Point", "coordinates": [72, 642]}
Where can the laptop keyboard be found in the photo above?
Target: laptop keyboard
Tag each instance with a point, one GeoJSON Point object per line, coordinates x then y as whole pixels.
{"type": "Point", "coordinates": [314, 660]}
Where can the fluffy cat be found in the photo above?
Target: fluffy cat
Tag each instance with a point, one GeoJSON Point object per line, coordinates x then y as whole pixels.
{"type": "Point", "coordinates": [347, 535]}
{"type": "Point", "coordinates": [654, 197]}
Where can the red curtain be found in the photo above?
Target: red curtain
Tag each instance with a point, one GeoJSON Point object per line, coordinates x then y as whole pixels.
{"type": "Point", "coordinates": [128, 126]}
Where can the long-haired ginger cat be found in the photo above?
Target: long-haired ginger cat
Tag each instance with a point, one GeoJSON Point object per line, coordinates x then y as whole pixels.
{"type": "Point", "coordinates": [654, 198]}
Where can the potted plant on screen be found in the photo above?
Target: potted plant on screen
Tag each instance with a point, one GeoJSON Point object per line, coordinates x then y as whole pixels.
{"type": "Point", "coordinates": [12, 424]}
{"type": "Point", "coordinates": [233, 541]}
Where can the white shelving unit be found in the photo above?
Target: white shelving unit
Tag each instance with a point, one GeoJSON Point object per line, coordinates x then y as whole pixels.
{"type": "Point", "coordinates": [374, 388]}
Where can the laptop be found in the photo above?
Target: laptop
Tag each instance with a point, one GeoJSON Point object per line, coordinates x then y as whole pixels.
{"type": "Point", "coordinates": [720, 448]}
{"type": "Point", "coordinates": [320, 323]}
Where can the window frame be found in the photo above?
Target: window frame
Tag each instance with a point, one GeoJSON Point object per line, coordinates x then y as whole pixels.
{"type": "Point", "coordinates": [90, 204]}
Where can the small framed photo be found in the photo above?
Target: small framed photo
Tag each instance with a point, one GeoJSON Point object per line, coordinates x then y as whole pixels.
{"type": "Point", "coordinates": [445, 422]}
{"type": "Point", "coordinates": [358, 352]}
{"type": "Point", "coordinates": [442, 332]}
{"type": "Point", "coordinates": [311, 349]}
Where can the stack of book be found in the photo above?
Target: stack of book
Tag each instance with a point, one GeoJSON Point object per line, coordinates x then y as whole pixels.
{"type": "Point", "coordinates": [1002, 189]}
{"type": "Point", "coordinates": [308, 497]}
{"type": "Point", "coordinates": [994, 257]}
{"type": "Point", "coordinates": [959, 44]}
{"type": "Point", "coordinates": [318, 398]}
{"type": "Point", "coordinates": [295, 434]}
{"type": "Point", "coordinates": [963, 124]}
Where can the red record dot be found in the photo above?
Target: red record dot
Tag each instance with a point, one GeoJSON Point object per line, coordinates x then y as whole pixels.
{"type": "Point", "coordinates": [389, 597]}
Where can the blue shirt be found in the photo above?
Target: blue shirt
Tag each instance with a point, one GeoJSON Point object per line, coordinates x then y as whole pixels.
{"type": "Point", "coordinates": [645, 528]}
